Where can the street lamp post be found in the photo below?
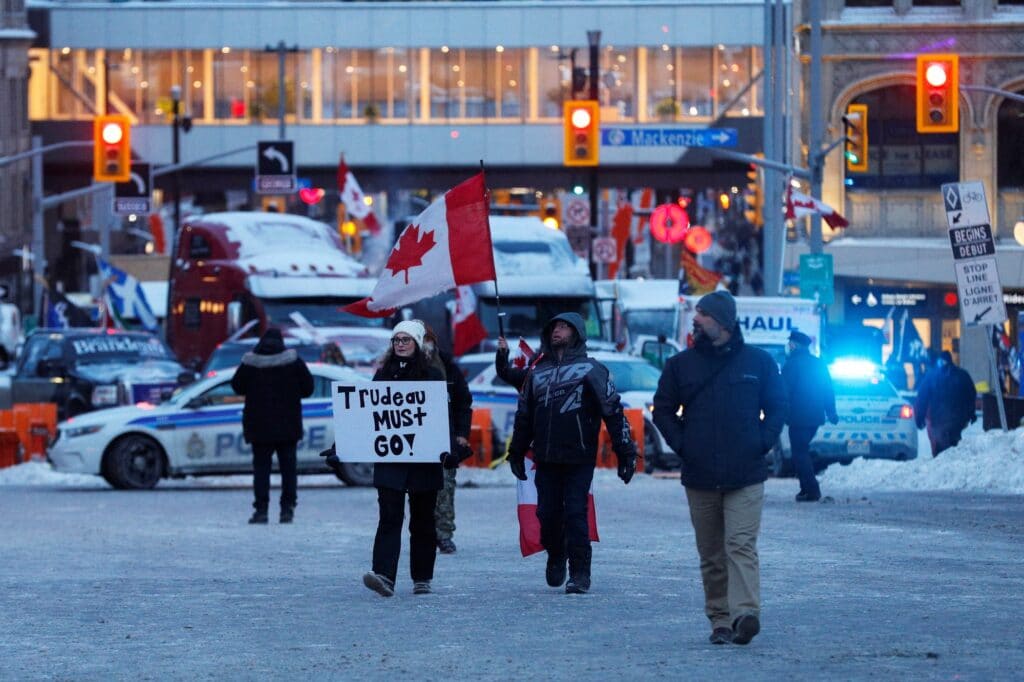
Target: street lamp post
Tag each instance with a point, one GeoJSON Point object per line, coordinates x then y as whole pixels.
{"type": "Point", "coordinates": [176, 158]}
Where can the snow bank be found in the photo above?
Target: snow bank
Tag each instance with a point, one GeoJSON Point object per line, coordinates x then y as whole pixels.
{"type": "Point", "coordinates": [988, 462]}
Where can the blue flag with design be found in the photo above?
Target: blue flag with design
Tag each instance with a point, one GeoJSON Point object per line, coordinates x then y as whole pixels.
{"type": "Point", "coordinates": [124, 295]}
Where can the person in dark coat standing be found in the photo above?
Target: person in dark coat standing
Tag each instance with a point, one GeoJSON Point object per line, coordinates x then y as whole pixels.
{"type": "Point", "coordinates": [811, 401]}
{"type": "Point", "coordinates": [945, 403]}
{"type": "Point", "coordinates": [274, 381]}
{"type": "Point", "coordinates": [563, 401]}
{"type": "Point", "coordinates": [460, 418]}
{"type": "Point", "coordinates": [406, 361]}
{"type": "Point", "coordinates": [721, 387]}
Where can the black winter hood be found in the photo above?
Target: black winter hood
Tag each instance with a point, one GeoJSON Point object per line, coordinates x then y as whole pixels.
{"type": "Point", "coordinates": [576, 320]}
{"type": "Point", "coordinates": [271, 343]}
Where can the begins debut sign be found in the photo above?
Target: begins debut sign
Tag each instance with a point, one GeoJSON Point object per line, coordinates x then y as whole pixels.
{"type": "Point", "coordinates": [400, 421]}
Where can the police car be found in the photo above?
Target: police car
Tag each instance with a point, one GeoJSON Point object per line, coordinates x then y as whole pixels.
{"type": "Point", "coordinates": [635, 379]}
{"type": "Point", "coordinates": [875, 422]}
{"type": "Point", "coordinates": [195, 432]}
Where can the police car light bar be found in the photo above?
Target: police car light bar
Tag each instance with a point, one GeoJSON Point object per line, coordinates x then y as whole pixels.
{"type": "Point", "coordinates": [853, 368]}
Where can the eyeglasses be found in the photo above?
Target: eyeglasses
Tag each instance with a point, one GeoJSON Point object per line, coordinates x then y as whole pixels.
{"type": "Point", "coordinates": [401, 340]}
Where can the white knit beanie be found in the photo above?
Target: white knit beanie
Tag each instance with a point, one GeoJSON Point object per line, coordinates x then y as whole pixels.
{"type": "Point", "coordinates": [412, 328]}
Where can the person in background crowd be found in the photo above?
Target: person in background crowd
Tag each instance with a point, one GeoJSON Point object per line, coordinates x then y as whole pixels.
{"type": "Point", "coordinates": [460, 418]}
{"type": "Point", "coordinates": [721, 387]}
{"type": "Point", "coordinates": [406, 361]}
{"type": "Point", "coordinates": [331, 354]}
{"type": "Point", "coordinates": [811, 401]}
{"type": "Point", "coordinates": [565, 397]}
{"type": "Point", "coordinates": [945, 403]}
{"type": "Point", "coordinates": [274, 381]}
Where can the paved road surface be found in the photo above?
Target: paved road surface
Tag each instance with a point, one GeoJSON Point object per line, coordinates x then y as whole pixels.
{"type": "Point", "coordinates": [172, 584]}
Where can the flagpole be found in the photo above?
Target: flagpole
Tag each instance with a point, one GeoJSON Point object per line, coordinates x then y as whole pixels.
{"type": "Point", "coordinates": [497, 296]}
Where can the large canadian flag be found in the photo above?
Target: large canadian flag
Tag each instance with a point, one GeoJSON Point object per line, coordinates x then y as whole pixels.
{"type": "Point", "coordinates": [354, 199]}
{"type": "Point", "coordinates": [447, 245]}
{"type": "Point", "coordinates": [469, 330]}
{"type": "Point", "coordinates": [529, 524]}
{"type": "Point", "coordinates": [799, 204]}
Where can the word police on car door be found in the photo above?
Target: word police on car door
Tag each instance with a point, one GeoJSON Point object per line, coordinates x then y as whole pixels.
{"type": "Point", "coordinates": [401, 421]}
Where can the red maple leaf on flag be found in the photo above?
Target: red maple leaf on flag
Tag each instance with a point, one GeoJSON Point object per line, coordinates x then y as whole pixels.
{"type": "Point", "coordinates": [409, 251]}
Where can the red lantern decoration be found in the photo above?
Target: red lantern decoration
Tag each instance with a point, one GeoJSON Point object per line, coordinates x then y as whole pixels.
{"type": "Point", "coordinates": [311, 195]}
{"type": "Point", "coordinates": [697, 239]}
{"type": "Point", "coordinates": [669, 223]}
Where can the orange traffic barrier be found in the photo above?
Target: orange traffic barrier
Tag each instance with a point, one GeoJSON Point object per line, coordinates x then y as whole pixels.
{"type": "Point", "coordinates": [36, 424]}
{"type": "Point", "coordinates": [10, 447]}
{"type": "Point", "coordinates": [481, 439]}
{"type": "Point", "coordinates": [606, 458]}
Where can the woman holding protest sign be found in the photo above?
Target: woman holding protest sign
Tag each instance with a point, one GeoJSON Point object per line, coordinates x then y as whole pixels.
{"type": "Point", "coordinates": [406, 361]}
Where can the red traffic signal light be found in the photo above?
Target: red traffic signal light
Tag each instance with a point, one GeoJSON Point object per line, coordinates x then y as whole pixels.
{"type": "Point", "coordinates": [581, 123]}
{"type": "Point", "coordinates": [938, 93]}
{"type": "Point", "coordinates": [112, 149]}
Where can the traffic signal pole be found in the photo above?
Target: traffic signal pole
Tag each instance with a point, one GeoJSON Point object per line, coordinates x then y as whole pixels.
{"type": "Point", "coordinates": [816, 160]}
{"type": "Point", "coordinates": [594, 41]}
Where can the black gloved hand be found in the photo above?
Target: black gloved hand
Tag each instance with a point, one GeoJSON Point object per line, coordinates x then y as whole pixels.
{"type": "Point", "coordinates": [517, 463]}
{"type": "Point", "coordinates": [332, 460]}
{"type": "Point", "coordinates": [449, 461]}
{"type": "Point", "coordinates": [627, 467]}
{"type": "Point", "coordinates": [833, 420]}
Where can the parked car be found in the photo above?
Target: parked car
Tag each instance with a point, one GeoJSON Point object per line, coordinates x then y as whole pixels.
{"type": "Point", "coordinates": [198, 431]}
{"type": "Point", "coordinates": [87, 369]}
{"type": "Point", "coordinates": [229, 353]}
{"type": "Point", "coordinates": [875, 422]}
{"type": "Point", "coordinates": [635, 379]}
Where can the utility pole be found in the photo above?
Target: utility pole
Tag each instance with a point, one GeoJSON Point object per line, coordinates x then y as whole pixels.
{"type": "Point", "coordinates": [815, 159]}
{"type": "Point", "coordinates": [282, 50]}
{"type": "Point", "coordinates": [176, 159]}
{"type": "Point", "coordinates": [594, 41]}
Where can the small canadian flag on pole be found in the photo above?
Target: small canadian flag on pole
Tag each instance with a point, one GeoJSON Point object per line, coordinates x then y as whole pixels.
{"type": "Point", "coordinates": [469, 330]}
{"type": "Point", "coordinates": [354, 199]}
{"type": "Point", "coordinates": [799, 204]}
{"type": "Point", "coordinates": [529, 524]}
{"type": "Point", "coordinates": [447, 245]}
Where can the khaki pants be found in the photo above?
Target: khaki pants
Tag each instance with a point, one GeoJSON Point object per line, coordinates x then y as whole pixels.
{"type": "Point", "coordinates": [726, 524]}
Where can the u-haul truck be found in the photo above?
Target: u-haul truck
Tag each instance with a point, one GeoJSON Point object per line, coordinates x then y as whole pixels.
{"type": "Point", "coordinates": [766, 322]}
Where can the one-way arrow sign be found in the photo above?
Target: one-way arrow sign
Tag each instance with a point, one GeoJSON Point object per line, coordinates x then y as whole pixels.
{"type": "Point", "coordinates": [135, 197]}
{"type": "Point", "coordinates": [275, 167]}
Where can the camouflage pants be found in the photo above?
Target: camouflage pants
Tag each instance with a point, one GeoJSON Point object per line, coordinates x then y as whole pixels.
{"type": "Point", "coordinates": [444, 512]}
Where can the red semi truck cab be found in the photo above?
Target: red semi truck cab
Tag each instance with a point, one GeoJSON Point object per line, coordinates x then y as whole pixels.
{"type": "Point", "coordinates": [231, 268]}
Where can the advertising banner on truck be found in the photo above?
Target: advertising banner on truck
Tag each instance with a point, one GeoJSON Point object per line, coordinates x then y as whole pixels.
{"type": "Point", "coordinates": [765, 322]}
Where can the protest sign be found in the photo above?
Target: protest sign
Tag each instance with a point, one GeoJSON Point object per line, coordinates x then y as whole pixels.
{"type": "Point", "coordinates": [399, 421]}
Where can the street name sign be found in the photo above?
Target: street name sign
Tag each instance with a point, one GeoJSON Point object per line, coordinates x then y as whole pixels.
{"type": "Point", "coordinates": [135, 197]}
{"type": "Point", "coordinates": [974, 253]}
{"type": "Point", "coordinates": [275, 167]}
{"type": "Point", "coordinates": [668, 137]}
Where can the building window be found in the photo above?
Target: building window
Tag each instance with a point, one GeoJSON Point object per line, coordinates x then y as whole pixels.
{"type": "Point", "coordinates": [898, 156]}
{"type": "Point", "coordinates": [618, 81]}
{"type": "Point", "coordinates": [869, 3]}
{"type": "Point", "coordinates": [936, 3]}
{"type": "Point", "coordinates": [1010, 137]}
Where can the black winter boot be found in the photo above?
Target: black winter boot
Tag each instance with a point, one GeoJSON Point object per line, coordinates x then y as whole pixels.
{"type": "Point", "coordinates": [579, 570]}
{"type": "Point", "coordinates": [555, 571]}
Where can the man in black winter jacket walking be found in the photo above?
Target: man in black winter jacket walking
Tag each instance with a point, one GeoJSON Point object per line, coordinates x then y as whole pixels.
{"type": "Point", "coordinates": [811, 400]}
{"type": "Point", "coordinates": [274, 381]}
{"type": "Point", "coordinates": [565, 397]}
{"type": "Point", "coordinates": [945, 403]}
{"type": "Point", "coordinates": [721, 387]}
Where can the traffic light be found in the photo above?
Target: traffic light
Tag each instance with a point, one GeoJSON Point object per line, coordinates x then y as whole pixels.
{"type": "Point", "coordinates": [856, 122]}
{"type": "Point", "coordinates": [551, 212]}
{"type": "Point", "coordinates": [112, 149]}
{"type": "Point", "coordinates": [938, 93]}
{"type": "Point", "coordinates": [581, 121]}
{"type": "Point", "coordinates": [754, 196]}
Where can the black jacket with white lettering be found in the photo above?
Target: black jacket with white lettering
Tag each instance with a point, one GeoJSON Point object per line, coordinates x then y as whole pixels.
{"type": "Point", "coordinates": [563, 402]}
{"type": "Point", "coordinates": [412, 477]}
